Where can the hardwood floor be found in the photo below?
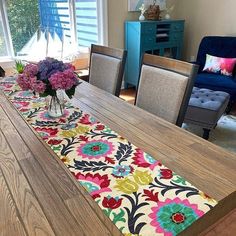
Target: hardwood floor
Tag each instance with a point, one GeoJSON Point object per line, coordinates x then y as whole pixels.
{"type": "Point", "coordinates": [128, 95]}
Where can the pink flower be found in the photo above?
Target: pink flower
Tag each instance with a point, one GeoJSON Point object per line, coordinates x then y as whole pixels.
{"type": "Point", "coordinates": [63, 80]}
{"type": "Point", "coordinates": [30, 70]}
{"type": "Point", "coordinates": [37, 85]}
{"type": "Point", "coordinates": [24, 82]}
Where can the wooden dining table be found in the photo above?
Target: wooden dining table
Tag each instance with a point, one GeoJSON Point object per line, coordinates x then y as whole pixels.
{"type": "Point", "coordinates": [39, 195]}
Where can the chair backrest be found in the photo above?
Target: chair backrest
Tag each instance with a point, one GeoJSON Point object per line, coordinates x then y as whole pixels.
{"type": "Point", "coordinates": [165, 87]}
{"type": "Point", "coordinates": [106, 68]}
{"type": "Point", "coordinates": [216, 46]}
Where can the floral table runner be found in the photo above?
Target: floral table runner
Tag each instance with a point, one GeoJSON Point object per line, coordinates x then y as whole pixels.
{"type": "Point", "coordinates": [139, 194]}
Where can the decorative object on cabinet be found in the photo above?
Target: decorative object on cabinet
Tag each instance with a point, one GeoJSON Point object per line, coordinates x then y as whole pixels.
{"type": "Point", "coordinates": [155, 37]}
{"type": "Point", "coordinates": [134, 5]}
{"type": "Point", "coordinates": [168, 11]}
{"type": "Point", "coordinates": [143, 10]}
{"type": "Point", "coordinates": [153, 12]}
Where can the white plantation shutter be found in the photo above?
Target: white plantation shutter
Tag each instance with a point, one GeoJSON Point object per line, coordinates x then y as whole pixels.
{"type": "Point", "coordinates": [86, 22]}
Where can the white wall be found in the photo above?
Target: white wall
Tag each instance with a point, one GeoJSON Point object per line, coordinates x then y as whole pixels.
{"type": "Point", "coordinates": [205, 17]}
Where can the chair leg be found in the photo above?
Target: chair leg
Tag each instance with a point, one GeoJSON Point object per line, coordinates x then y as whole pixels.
{"type": "Point", "coordinates": [206, 133]}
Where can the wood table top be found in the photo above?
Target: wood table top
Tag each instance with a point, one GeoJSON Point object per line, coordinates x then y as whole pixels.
{"type": "Point", "coordinates": [39, 196]}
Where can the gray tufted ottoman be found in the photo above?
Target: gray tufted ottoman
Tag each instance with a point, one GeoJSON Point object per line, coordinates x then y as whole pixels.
{"type": "Point", "coordinates": [205, 108]}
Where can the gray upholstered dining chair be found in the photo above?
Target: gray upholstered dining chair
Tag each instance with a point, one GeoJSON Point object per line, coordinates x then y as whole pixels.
{"type": "Point", "coordinates": [107, 68]}
{"type": "Point", "coordinates": [165, 87]}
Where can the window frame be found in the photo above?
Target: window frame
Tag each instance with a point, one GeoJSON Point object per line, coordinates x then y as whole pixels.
{"type": "Point", "coordinates": [6, 32]}
{"type": "Point", "coordinates": [102, 9]}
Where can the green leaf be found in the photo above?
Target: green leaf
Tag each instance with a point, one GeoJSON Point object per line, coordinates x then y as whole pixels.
{"type": "Point", "coordinates": [71, 92]}
{"type": "Point", "coordinates": [119, 217]}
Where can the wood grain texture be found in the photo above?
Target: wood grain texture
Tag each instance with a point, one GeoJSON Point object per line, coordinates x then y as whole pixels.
{"type": "Point", "coordinates": [224, 227]}
{"type": "Point", "coordinates": [9, 221]}
{"type": "Point", "coordinates": [26, 202]}
{"type": "Point", "coordinates": [208, 167]}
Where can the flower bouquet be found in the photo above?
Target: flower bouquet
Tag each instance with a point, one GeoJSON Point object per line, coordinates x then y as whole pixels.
{"type": "Point", "coordinates": [46, 78]}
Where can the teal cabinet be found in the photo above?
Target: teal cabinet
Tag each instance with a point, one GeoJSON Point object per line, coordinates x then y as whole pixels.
{"type": "Point", "coordinates": [164, 38]}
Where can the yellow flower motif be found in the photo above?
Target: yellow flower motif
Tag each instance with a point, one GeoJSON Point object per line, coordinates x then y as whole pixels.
{"type": "Point", "coordinates": [206, 197]}
{"type": "Point", "coordinates": [65, 159]}
{"type": "Point", "coordinates": [36, 105]}
{"type": "Point", "coordinates": [126, 185]}
{"type": "Point", "coordinates": [82, 129]}
{"type": "Point", "coordinates": [68, 133]}
{"type": "Point", "coordinates": [142, 177]}
{"type": "Point", "coordinates": [73, 132]}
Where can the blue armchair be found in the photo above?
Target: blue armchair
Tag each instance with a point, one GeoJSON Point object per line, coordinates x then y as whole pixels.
{"type": "Point", "coordinates": [220, 47]}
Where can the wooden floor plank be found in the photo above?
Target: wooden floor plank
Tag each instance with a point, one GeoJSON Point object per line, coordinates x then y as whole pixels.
{"type": "Point", "coordinates": [29, 209]}
{"type": "Point", "coordinates": [9, 221]}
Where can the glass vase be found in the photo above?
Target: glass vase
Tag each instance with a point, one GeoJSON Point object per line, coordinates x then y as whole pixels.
{"type": "Point", "coordinates": [55, 107]}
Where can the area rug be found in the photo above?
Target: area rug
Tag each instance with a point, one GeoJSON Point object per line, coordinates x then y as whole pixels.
{"type": "Point", "coordinates": [224, 135]}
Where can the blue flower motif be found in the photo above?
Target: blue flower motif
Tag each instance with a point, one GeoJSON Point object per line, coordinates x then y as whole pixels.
{"type": "Point", "coordinates": [68, 126]}
{"type": "Point", "coordinates": [121, 170]}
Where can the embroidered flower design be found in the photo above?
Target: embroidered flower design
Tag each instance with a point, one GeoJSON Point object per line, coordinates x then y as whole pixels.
{"type": "Point", "coordinates": [45, 133]}
{"type": "Point", "coordinates": [166, 174]}
{"type": "Point", "coordinates": [126, 185]}
{"type": "Point", "coordinates": [73, 132]}
{"type": "Point", "coordinates": [142, 177]}
{"type": "Point", "coordinates": [54, 142]}
{"type": "Point", "coordinates": [112, 203]}
{"type": "Point", "coordinates": [120, 171]}
{"type": "Point", "coordinates": [142, 159]}
{"type": "Point", "coordinates": [95, 184]}
{"type": "Point", "coordinates": [173, 216]}
{"type": "Point", "coordinates": [95, 149]}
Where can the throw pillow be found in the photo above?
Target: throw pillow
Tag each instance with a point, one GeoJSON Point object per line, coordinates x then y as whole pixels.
{"type": "Point", "coordinates": [224, 66]}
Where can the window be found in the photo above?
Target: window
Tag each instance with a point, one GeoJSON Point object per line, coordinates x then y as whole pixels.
{"type": "Point", "coordinates": [23, 17]}
{"type": "Point", "coordinates": [40, 28]}
{"type": "Point", "coordinates": [5, 40]}
{"type": "Point", "coordinates": [91, 22]}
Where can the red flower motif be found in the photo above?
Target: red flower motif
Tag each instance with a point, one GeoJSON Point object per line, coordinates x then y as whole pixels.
{"type": "Point", "coordinates": [85, 120]}
{"type": "Point", "coordinates": [95, 184]}
{"type": "Point", "coordinates": [54, 142]}
{"type": "Point", "coordinates": [24, 109]}
{"type": "Point", "coordinates": [109, 160]}
{"type": "Point", "coordinates": [112, 203]}
{"type": "Point", "coordinates": [166, 174]}
{"type": "Point", "coordinates": [141, 159]}
{"type": "Point", "coordinates": [151, 196]}
{"type": "Point", "coordinates": [83, 138]}
{"type": "Point", "coordinates": [46, 132]}
{"type": "Point", "coordinates": [62, 120]}
{"type": "Point", "coordinates": [100, 127]}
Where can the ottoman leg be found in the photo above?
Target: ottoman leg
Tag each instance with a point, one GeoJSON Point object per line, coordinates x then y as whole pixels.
{"type": "Point", "coordinates": [206, 133]}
